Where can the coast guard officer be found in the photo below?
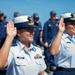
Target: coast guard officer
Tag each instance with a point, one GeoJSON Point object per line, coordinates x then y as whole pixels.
{"type": "Point", "coordinates": [37, 29]}
{"type": "Point", "coordinates": [63, 46]}
{"type": "Point", "coordinates": [25, 58]}
{"type": "Point", "coordinates": [49, 31]}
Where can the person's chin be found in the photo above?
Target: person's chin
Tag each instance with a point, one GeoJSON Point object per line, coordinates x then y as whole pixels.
{"type": "Point", "coordinates": [31, 40]}
{"type": "Point", "coordinates": [73, 31]}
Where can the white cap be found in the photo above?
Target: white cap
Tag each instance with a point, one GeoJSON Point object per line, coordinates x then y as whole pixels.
{"type": "Point", "coordinates": [66, 15]}
{"type": "Point", "coordinates": [20, 19]}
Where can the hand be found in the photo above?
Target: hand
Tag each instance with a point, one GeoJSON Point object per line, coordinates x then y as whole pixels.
{"type": "Point", "coordinates": [46, 44]}
{"type": "Point", "coordinates": [61, 25]}
{"type": "Point", "coordinates": [40, 39]}
{"type": "Point", "coordinates": [11, 30]}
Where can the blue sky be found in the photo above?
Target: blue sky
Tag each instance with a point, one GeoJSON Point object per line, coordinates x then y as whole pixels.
{"type": "Point", "coordinates": [42, 7]}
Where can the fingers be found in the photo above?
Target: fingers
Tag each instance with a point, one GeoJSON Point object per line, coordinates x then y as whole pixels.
{"type": "Point", "coordinates": [10, 24]}
{"type": "Point", "coordinates": [10, 27]}
{"type": "Point", "coordinates": [61, 21]}
{"type": "Point", "coordinates": [15, 29]}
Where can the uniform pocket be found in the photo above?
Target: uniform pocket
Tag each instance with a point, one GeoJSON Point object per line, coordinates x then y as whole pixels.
{"type": "Point", "coordinates": [38, 61]}
{"type": "Point", "coordinates": [20, 62]}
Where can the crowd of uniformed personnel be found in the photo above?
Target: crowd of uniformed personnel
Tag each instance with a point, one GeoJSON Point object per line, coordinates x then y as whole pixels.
{"type": "Point", "coordinates": [22, 38]}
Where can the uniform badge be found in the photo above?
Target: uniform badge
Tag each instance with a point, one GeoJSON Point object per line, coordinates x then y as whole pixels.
{"type": "Point", "coordinates": [31, 23]}
{"type": "Point", "coordinates": [69, 42]}
{"type": "Point", "coordinates": [37, 56]}
{"type": "Point", "coordinates": [49, 25]}
{"type": "Point", "coordinates": [56, 24]}
{"type": "Point", "coordinates": [20, 57]}
{"type": "Point", "coordinates": [73, 16]}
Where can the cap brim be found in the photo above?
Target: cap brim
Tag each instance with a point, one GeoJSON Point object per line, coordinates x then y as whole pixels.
{"type": "Point", "coordinates": [24, 25]}
{"type": "Point", "coordinates": [69, 20]}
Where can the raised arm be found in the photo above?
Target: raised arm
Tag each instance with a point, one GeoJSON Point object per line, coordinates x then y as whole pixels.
{"type": "Point", "coordinates": [54, 48]}
{"type": "Point", "coordinates": [4, 51]}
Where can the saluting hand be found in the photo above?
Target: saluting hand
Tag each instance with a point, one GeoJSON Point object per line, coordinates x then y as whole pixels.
{"type": "Point", "coordinates": [11, 30]}
{"type": "Point", "coordinates": [61, 25]}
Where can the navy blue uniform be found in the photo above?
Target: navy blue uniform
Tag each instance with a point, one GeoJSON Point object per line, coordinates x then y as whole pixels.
{"type": "Point", "coordinates": [2, 32]}
{"type": "Point", "coordinates": [37, 30]}
{"type": "Point", "coordinates": [49, 31]}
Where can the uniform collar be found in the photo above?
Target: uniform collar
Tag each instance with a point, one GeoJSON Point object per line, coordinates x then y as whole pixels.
{"type": "Point", "coordinates": [51, 20]}
{"type": "Point", "coordinates": [22, 47]}
{"type": "Point", "coordinates": [67, 36]}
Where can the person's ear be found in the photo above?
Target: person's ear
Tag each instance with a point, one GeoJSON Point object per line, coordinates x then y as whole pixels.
{"type": "Point", "coordinates": [18, 32]}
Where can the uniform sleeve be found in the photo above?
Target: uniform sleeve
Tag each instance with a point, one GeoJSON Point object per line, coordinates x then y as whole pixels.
{"type": "Point", "coordinates": [10, 58]}
{"type": "Point", "coordinates": [43, 65]}
{"type": "Point", "coordinates": [52, 40]}
{"type": "Point", "coordinates": [45, 28]}
{"type": "Point", "coordinates": [61, 44]}
{"type": "Point", "coordinates": [61, 47]}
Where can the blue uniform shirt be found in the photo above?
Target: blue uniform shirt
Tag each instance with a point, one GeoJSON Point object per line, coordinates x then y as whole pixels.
{"type": "Point", "coordinates": [37, 30]}
{"type": "Point", "coordinates": [50, 30]}
{"type": "Point", "coordinates": [66, 56]}
{"type": "Point", "coordinates": [2, 31]}
{"type": "Point", "coordinates": [22, 62]}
